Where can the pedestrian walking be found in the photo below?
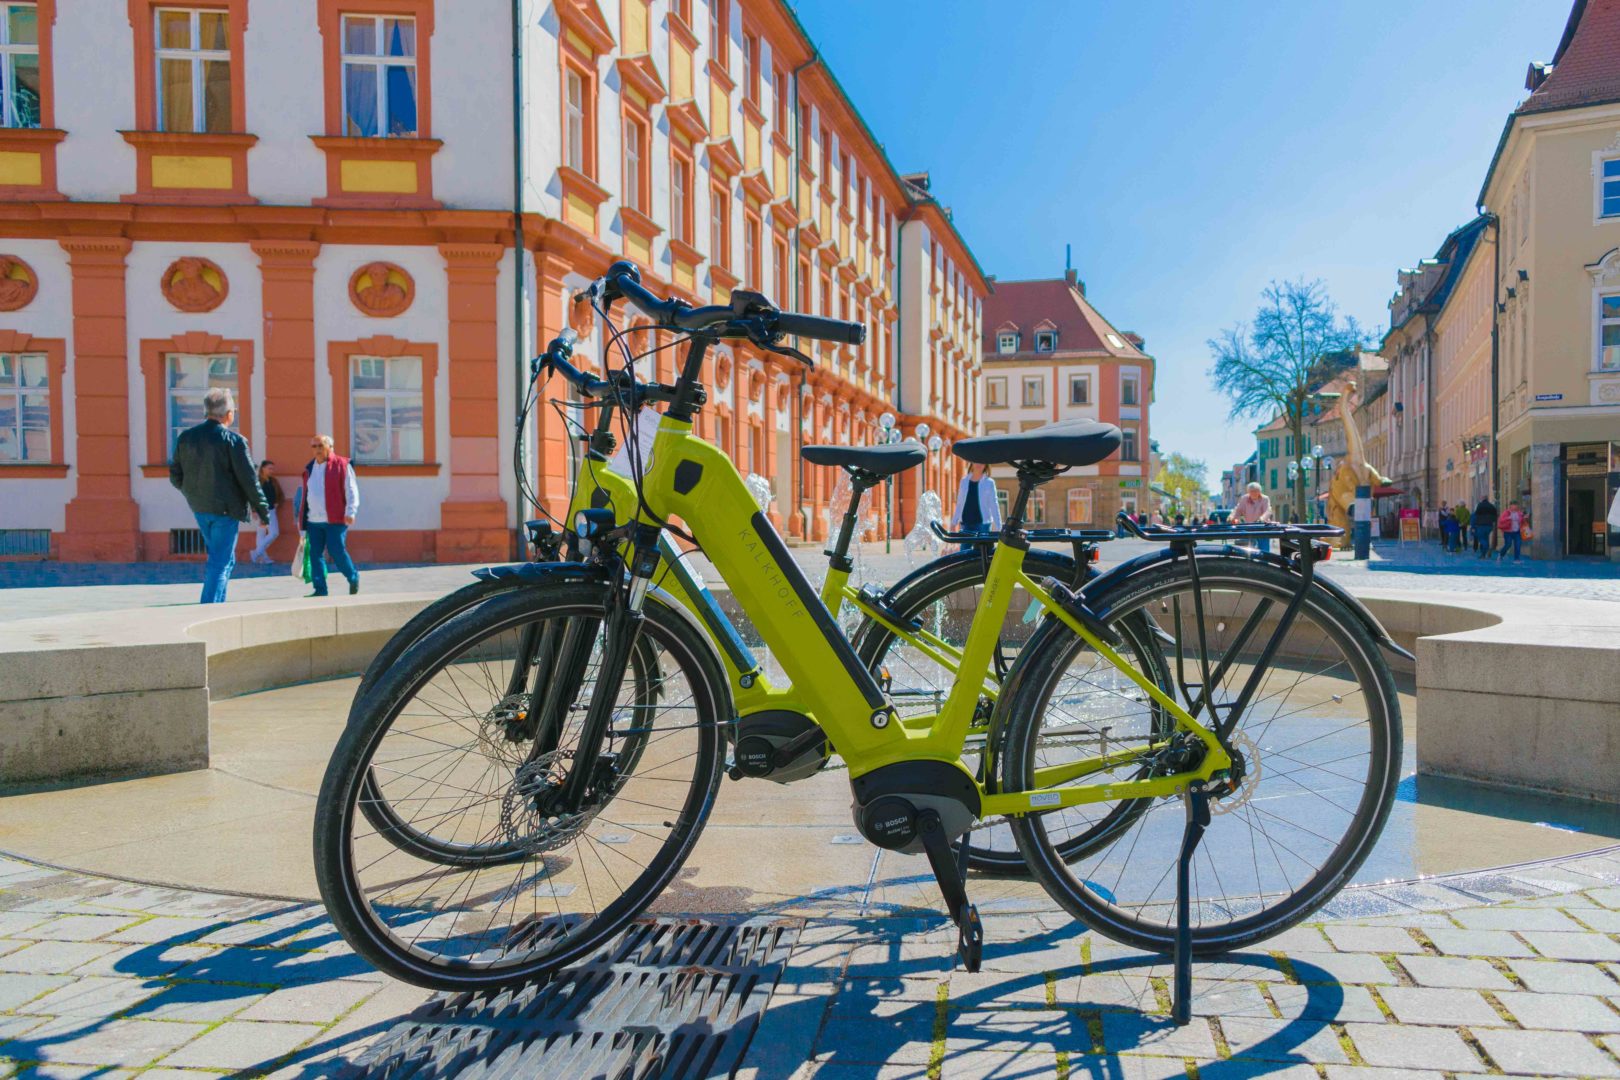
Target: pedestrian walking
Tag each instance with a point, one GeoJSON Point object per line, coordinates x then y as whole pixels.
{"type": "Point", "coordinates": [1483, 521]}
{"type": "Point", "coordinates": [1512, 523]}
{"type": "Point", "coordinates": [977, 510]}
{"type": "Point", "coordinates": [330, 499]}
{"type": "Point", "coordinates": [273, 498]}
{"type": "Point", "coordinates": [1253, 509]}
{"type": "Point", "coordinates": [1448, 529]}
{"type": "Point", "coordinates": [1460, 512]}
{"type": "Point", "coordinates": [212, 468]}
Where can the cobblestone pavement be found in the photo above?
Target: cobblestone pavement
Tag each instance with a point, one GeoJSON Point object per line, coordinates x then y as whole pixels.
{"type": "Point", "coordinates": [1509, 971]}
{"type": "Point", "coordinates": [40, 590]}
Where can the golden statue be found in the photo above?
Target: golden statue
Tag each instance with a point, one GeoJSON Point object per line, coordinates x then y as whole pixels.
{"type": "Point", "coordinates": [1353, 469]}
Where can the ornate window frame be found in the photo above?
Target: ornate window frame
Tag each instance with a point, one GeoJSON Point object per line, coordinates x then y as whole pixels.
{"type": "Point", "coordinates": [338, 355]}
{"type": "Point", "coordinates": [154, 353]}
{"type": "Point", "coordinates": [55, 350]}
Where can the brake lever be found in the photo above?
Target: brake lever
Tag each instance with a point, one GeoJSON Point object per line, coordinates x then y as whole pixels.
{"type": "Point", "coordinates": [788, 350]}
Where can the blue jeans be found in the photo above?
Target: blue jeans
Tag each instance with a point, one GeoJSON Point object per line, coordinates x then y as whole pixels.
{"type": "Point", "coordinates": [219, 537]}
{"type": "Point", "coordinates": [324, 537]}
{"type": "Point", "coordinates": [1482, 539]}
{"type": "Point", "coordinates": [1510, 538]}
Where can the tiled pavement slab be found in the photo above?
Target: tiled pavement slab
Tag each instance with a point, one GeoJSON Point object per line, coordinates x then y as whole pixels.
{"type": "Point", "coordinates": [111, 979]}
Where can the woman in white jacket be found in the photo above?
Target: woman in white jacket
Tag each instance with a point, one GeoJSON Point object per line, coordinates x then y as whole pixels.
{"type": "Point", "coordinates": [976, 507]}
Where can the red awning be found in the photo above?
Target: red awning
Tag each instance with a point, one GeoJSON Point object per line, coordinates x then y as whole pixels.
{"type": "Point", "coordinates": [1380, 492]}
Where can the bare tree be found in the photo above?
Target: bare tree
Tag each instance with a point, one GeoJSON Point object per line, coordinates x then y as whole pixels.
{"type": "Point", "coordinates": [1296, 343]}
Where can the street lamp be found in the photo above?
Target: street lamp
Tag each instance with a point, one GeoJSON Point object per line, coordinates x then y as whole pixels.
{"type": "Point", "coordinates": [887, 434]}
{"type": "Point", "coordinates": [1293, 482]}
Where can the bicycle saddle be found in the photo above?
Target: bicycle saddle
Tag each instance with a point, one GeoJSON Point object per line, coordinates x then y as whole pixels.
{"type": "Point", "coordinates": [877, 460]}
{"type": "Point", "coordinates": [1068, 442]}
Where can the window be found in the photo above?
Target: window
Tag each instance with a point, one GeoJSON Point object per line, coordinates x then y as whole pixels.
{"type": "Point", "coordinates": [25, 408]}
{"type": "Point", "coordinates": [719, 227]}
{"type": "Point", "coordinates": [1079, 500]}
{"type": "Point", "coordinates": [1045, 340]}
{"type": "Point", "coordinates": [1127, 445]}
{"type": "Point", "coordinates": [193, 70]}
{"type": "Point", "coordinates": [995, 393]}
{"type": "Point", "coordinates": [188, 377]}
{"type": "Point", "coordinates": [1609, 329]}
{"type": "Point", "coordinates": [1079, 389]}
{"type": "Point", "coordinates": [779, 268]}
{"type": "Point", "coordinates": [1006, 343]}
{"type": "Point", "coordinates": [751, 67]}
{"type": "Point", "coordinates": [780, 86]}
{"type": "Point", "coordinates": [1034, 390]}
{"type": "Point", "coordinates": [751, 251]}
{"type": "Point", "coordinates": [20, 100]}
{"type": "Point", "coordinates": [1037, 507]}
{"type": "Point", "coordinates": [1129, 389]}
{"type": "Point", "coordinates": [385, 403]}
{"type": "Point", "coordinates": [1001, 501]}
{"type": "Point", "coordinates": [379, 76]}
{"type": "Point", "coordinates": [1609, 189]}
{"type": "Point", "coordinates": [680, 200]}
{"type": "Point", "coordinates": [574, 150]}
{"type": "Point", "coordinates": [719, 29]}
{"type": "Point", "coordinates": [635, 165]}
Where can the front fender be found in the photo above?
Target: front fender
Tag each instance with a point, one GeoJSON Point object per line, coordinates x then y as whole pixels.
{"type": "Point", "coordinates": [535, 572]}
{"type": "Point", "coordinates": [1131, 567]}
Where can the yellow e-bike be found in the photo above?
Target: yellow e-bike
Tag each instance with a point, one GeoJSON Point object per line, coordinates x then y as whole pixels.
{"type": "Point", "coordinates": [1280, 722]}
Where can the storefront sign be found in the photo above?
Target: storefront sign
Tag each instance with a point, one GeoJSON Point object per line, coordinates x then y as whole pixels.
{"type": "Point", "coordinates": [1130, 483]}
{"type": "Point", "coordinates": [1411, 528]}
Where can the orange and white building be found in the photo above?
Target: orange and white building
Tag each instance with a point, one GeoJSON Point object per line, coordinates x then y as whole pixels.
{"type": "Point", "coordinates": [1050, 355]}
{"type": "Point", "coordinates": [334, 208]}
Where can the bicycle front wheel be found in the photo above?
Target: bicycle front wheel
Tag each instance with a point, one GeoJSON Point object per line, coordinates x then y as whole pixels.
{"type": "Point", "coordinates": [433, 735]}
{"type": "Point", "coordinates": [1318, 751]}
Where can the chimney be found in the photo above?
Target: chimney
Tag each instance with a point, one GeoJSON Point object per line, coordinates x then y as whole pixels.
{"type": "Point", "coordinates": [1072, 276]}
{"type": "Point", "coordinates": [1134, 338]}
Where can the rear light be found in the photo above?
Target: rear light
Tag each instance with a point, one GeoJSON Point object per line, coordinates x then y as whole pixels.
{"type": "Point", "coordinates": [1094, 556]}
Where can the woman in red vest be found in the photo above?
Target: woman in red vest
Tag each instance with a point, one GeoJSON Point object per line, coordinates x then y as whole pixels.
{"type": "Point", "coordinates": [329, 500]}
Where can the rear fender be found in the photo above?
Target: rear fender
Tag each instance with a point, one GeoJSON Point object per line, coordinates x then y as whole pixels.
{"type": "Point", "coordinates": [1114, 576]}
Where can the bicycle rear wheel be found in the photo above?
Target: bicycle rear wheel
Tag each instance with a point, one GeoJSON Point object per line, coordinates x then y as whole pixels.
{"type": "Point", "coordinates": [572, 876]}
{"type": "Point", "coordinates": [1319, 747]}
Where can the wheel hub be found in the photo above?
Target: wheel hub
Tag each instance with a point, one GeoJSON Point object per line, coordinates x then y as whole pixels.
{"type": "Point", "coordinates": [1241, 779]}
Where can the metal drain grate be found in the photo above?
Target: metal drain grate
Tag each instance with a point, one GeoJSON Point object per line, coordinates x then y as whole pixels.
{"type": "Point", "coordinates": [668, 999]}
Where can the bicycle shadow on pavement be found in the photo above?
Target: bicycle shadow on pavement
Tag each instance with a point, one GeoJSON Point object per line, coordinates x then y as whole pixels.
{"type": "Point", "coordinates": [902, 1003]}
{"type": "Point", "coordinates": [193, 981]}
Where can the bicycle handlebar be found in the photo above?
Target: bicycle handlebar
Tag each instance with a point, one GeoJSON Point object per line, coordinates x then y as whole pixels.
{"type": "Point", "coordinates": [748, 315]}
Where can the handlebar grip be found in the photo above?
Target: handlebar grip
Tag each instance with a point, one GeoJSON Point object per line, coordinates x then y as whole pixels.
{"type": "Point", "coordinates": [817, 328]}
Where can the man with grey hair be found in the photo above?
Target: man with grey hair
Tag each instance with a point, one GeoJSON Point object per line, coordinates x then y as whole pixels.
{"type": "Point", "coordinates": [214, 471]}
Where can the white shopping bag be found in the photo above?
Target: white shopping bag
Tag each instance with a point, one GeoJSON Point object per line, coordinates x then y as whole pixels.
{"type": "Point", "coordinates": [1614, 511]}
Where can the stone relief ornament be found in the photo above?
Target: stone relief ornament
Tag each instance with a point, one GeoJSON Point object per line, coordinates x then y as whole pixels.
{"type": "Point", "coordinates": [18, 283]}
{"type": "Point", "coordinates": [381, 289]}
{"type": "Point", "coordinates": [195, 284]}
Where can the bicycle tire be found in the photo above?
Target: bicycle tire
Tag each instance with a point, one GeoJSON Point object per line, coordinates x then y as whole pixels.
{"type": "Point", "coordinates": [336, 810]}
{"type": "Point", "coordinates": [1086, 900]}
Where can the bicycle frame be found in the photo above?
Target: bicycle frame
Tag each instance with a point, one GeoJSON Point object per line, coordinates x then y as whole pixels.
{"type": "Point", "coordinates": [693, 480]}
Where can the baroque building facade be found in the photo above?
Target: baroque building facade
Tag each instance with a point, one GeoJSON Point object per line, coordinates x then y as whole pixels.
{"type": "Point", "coordinates": [335, 209]}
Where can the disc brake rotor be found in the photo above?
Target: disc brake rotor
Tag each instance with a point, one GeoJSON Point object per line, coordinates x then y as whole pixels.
{"type": "Point", "coordinates": [496, 728]}
{"type": "Point", "coordinates": [1243, 748]}
{"type": "Point", "coordinates": [522, 825]}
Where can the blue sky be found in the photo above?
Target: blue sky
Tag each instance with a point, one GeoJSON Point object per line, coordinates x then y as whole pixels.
{"type": "Point", "coordinates": [1193, 151]}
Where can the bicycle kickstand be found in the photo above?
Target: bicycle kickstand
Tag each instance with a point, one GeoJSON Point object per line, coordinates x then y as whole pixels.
{"type": "Point", "coordinates": [952, 878]}
{"type": "Point", "coordinates": [1197, 803]}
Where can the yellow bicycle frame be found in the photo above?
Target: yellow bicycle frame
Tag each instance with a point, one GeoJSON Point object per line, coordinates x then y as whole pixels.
{"type": "Point", "coordinates": [690, 479]}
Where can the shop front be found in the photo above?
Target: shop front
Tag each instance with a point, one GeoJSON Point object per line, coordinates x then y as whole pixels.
{"type": "Point", "coordinates": [1591, 476]}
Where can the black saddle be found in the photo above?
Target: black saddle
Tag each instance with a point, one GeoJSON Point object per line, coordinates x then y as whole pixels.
{"type": "Point", "coordinates": [1068, 442]}
{"type": "Point", "coordinates": [877, 460]}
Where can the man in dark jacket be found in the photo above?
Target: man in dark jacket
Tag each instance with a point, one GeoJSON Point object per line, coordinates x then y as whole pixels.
{"type": "Point", "coordinates": [213, 469]}
{"type": "Point", "coordinates": [1483, 522]}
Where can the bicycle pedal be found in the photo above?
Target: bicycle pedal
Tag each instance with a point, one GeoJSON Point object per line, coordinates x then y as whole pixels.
{"type": "Point", "coordinates": [970, 939]}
